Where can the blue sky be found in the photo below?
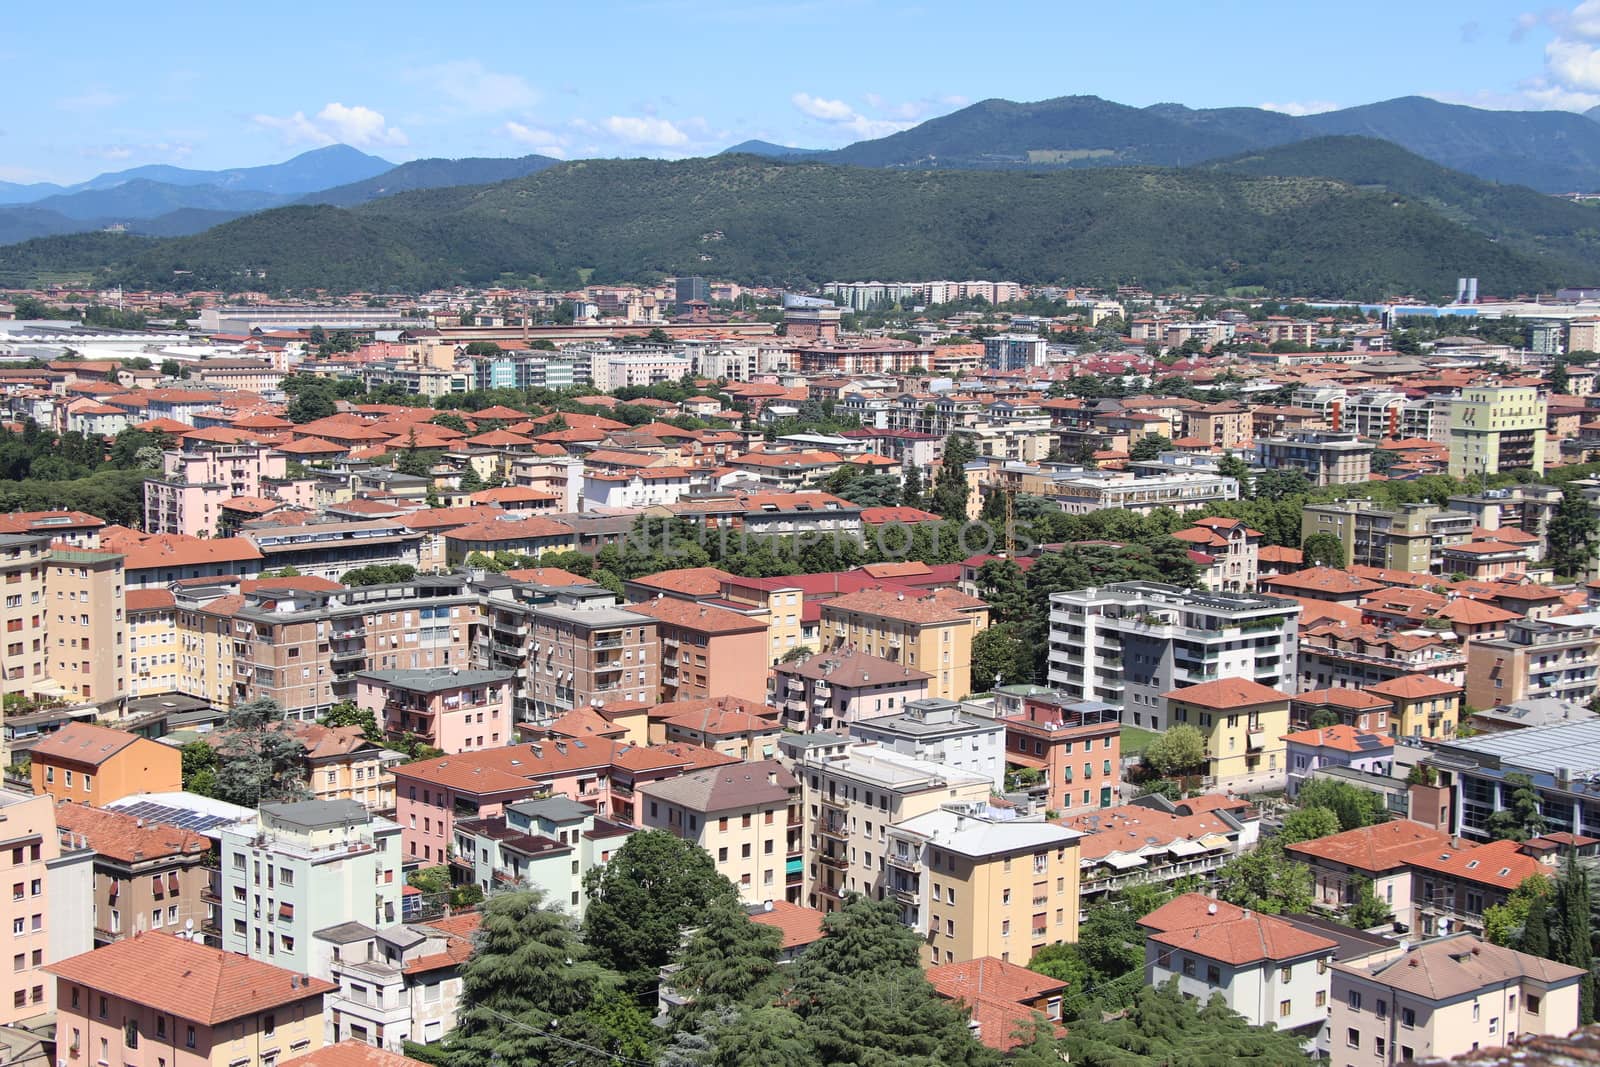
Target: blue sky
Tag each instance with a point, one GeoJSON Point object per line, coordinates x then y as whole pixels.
{"type": "Point", "coordinates": [101, 86]}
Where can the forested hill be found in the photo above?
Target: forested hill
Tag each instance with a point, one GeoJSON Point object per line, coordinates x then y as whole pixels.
{"type": "Point", "coordinates": [764, 221]}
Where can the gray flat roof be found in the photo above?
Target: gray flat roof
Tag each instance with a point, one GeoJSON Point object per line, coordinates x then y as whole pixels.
{"type": "Point", "coordinates": [317, 814]}
{"type": "Point", "coordinates": [559, 809]}
{"type": "Point", "coordinates": [1570, 746]}
{"type": "Point", "coordinates": [434, 681]}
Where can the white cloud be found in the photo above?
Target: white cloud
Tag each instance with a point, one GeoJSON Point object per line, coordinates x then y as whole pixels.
{"type": "Point", "coordinates": [1301, 107]}
{"type": "Point", "coordinates": [826, 110]}
{"type": "Point", "coordinates": [842, 116]}
{"type": "Point", "coordinates": [476, 90]}
{"type": "Point", "coordinates": [646, 130]}
{"type": "Point", "coordinates": [336, 123]}
{"type": "Point", "coordinates": [544, 142]}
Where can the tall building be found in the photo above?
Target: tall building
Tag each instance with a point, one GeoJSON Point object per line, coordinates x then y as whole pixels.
{"type": "Point", "coordinates": [1014, 351]}
{"type": "Point", "coordinates": [690, 290]}
{"type": "Point", "coordinates": [1497, 428]}
{"type": "Point", "coordinates": [1408, 537]}
{"type": "Point", "coordinates": [298, 868]}
{"type": "Point", "coordinates": [195, 480]}
{"type": "Point", "coordinates": [1130, 643]}
{"type": "Point", "coordinates": [86, 624]}
{"type": "Point", "coordinates": [51, 898]}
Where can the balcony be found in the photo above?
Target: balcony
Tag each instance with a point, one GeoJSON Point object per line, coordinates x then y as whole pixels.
{"type": "Point", "coordinates": [837, 860]}
{"type": "Point", "coordinates": [910, 861]}
{"type": "Point", "coordinates": [828, 889]}
{"type": "Point", "coordinates": [833, 829]}
{"type": "Point", "coordinates": [906, 894]}
{"type": "Point", "coordinates": [606, 642]}
{"type": "Point", "coordinates": [347, 654]}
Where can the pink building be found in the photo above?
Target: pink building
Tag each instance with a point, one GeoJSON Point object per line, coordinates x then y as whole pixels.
{"type": "Point", "coordinates": [456, 710]}
{"type": "Point", "coordinates": [52, 902]}
{"type": "Point", "coordinates": [196, 479]}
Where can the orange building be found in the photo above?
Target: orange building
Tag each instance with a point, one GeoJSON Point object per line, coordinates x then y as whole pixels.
{"type": "Point", "coordinates": [86, 764]}
{"type": "Point", "coordinates": [708, 651]}
{"type": "Point", "coordinates": [1076, 744]}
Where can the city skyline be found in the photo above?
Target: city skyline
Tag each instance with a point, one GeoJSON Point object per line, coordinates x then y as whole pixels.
{"type": "Point", "coordinates": [566, 83]}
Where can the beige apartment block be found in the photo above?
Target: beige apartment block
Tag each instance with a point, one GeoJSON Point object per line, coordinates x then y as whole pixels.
{"type": "Point", "coordinates": [153, 645]}
{"type": "Point", "coordinates": [86, 624]}
{"type": "Point", "coordinates": [1497, 428]}
{"type": "Point", "coordinates": [932, 632]}
{"type": "Point", "coordinates": [22, 567]}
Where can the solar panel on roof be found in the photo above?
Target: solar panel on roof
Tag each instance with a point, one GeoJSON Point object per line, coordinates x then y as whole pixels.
{"type": "Point", "coordinates": [1369, 741]}
{"type": "Point", "coordinates": [182, 818]}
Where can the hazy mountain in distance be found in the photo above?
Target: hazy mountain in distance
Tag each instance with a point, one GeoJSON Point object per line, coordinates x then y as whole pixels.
{"type": "Point", "coordinates": [429, 174]}
{"type": "Point", "coordinates": [768, 149]}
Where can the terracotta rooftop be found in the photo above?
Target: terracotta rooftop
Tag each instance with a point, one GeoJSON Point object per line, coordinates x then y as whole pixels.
{"type": "Point", "coordinates": [1413, 687]}
{"type": "Point", "coordinates": [1342, 738]}
{"type": "Point", "coordinates": [1342, 697]}
{"type": "Point", "coordinates": [83, 742]}
{"type": "Point", "coordinates": [1374, 849]}
{"type": "Point", "coordinates": [693, 581]}
{"type": "Point", "coordinates": [352, 1053]}
{"type": "Point", "coordinates": [120, 836]}
{"type": "Point", "coordinates": [799, 925]}
{"type": "Point", "coordinates": [1228, 933]}
{"type": "Point", "coordinates": [187, 979]}
{"type": "Point", "coordinates": [704, 618]}
{"type": "Point", "coordinates": [1228, 693]}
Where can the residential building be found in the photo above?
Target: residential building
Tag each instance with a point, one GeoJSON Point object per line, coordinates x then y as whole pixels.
{"type": "Point", "coordinates": [1075, 746]}
{"type": "Point", "coordinates": [52, 900]}
{"type": "Point", "coordinates": [1152, 841]}
{"type": "Point", "coordinates": [1555, 658]}
{"type": "Point", "coordinates": [1011, 351]}
{"type": "Point", "coordinates": [452, 711]}
{"type": "Point", "coordinates": [1003, 999]}
{"type": "Point", "coordinates": [831, 690]}
{"type": "Point", "coordinates": [85, 625]}
{"type": "Point", "coordinates": [1443, 999]}
{"type": "Point", "coordinates": [1244, 723]}
{"type": "Point", "coordinates": [549, 844]}
{"type": "Point", "coordinates": [198, 477]}
{"type": "Point", "coordinates": [854, 791]}
{"type": "Point", "coordinates": [932, 632]}
{"type": "Point", "coordinates": [1380, 855]}
{"type": "Point", "coordinates": [1264, 968]}
{"type": "Point", "coordinates": [341, 764]}
{"type": "Point", "coordinates": [1409, 537]}
{"type": "Point", "coordinates": [22, 569]}
{"type": "Point", "coordinates": [1424, 706]}
{"type": "Point", "coordinates": [941, 731]}
{"type": "Point", "coordinates": [1307, 751]}
{"type": "Point", "coordinates": [299, 867]}
{"type": "Point", "coordinates": [1452, 887]}
{"type": "Point", "coordinates": [707, 650]}
{"type": "Point", "coordinates": [1353, 707]}
{"type": "Point", "coordinates": [1497, 428]}
{"type": "Point", "coordinates": [744, 730]}
{"type": "Point", "coordinates": [86, 764]}
{"type": "Point", "coordinates": [587, 651]}
{"type": "Point", "coordinates": [159, 997]}
{"type": "Point", "coordinates": [1079, 492]}
{"type": "Point", "coordinates": [746, 816]}
{"type": "Point", "coordinates": [395, 984]}
{"type": "Point", "coordinates": [152, 642]}
{"type": "Point", "coordinates": [148, 875]}
{"type": "Point", "coordinates": [976, 884]}
{"type": "Point", "coordinates": [1325, 457]}
{"type": "Point", "coordinates": [1234, 551]}
{"type": "Point", "coordinates": [779, 602]}
{"type": "Point", "coordinates": [1130, 643]}
{"type": "Point", "coordinates": [1561, 761]}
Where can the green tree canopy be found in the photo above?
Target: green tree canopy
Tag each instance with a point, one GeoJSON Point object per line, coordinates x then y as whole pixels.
{"type": "Point", "coordinates": [1181, 750]}
{"type": "Point", "coordinates": [1355, 807]}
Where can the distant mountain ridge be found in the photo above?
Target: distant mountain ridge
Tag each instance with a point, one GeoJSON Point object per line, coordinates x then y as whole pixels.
{"type": "Point", "coordinates": [770, 150]}
{"type": "Point", "coordinates": [429, 174]}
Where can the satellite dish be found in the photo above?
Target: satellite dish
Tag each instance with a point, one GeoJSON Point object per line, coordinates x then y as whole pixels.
{"type": "Point", "coordinates": [188, 924]}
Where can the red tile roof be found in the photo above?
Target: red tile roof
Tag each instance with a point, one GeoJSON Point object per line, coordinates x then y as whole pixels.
{"type": "Point", "coordinates": [83, 742]}
{"type": "Point", "coordinates": [352, 1053]}
{"type": "Point", "coordinates": [1228, 693]}
{"type": "Point", "coordinates": [187, 979]}
{"type": "Point", "coordinates": [799, 925]}
{"type": "Point", "coordinates": [1342, 738]}
{"type": "Point", "coordinates": [1413, 687]}
{"type": "Point", "coordinates": [1228, 933]}
{"type": "Point", "coordinates": [125, 837]}
{"type": "Point", "coordinates": [1500, 863]}
{"type": "Point", "coordinates": [1374, 849]}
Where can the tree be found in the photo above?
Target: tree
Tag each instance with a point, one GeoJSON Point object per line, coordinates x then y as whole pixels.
{"type": "Point", "coordinates": [346, 713]}
{"type": "Point", "coordinates": [1280, 485]}
{"type": "Point", "coordinates": [1308, 824]}
{"type": "Point", "coordinates": [1570, 908]}
{"type": "Point", "coordinates": [729, 960]}
{"type": "Point", "coordinates": [1521, 921]}
{"type": "Point", "coordinates": [1231, 466]}
{"type": "Point", "coordinates": [378, 574]}
{"type": "Point", "coordinates": [950, 489]}
{"type": "Point", "coordinates": [655, 886]}
{"type": "Point", "coordinates": [1323, 718]}
{"type": "Point", "coordinates": [1000, 656]}
{"type": "Point", "coordinates": [199, 758]}
{"type": "Point", "coordinates": [1559, 382]}
{"type": "Point", "coordinates": [1366, 910]}
{"type": "Point", "coordinates": [911, 490]}
{"type": "Point", "coordinates": [1572, 533]}
{"type": "Point", "coordinates": [1323, 550]}
{"type": "Point", "coordinates": [531, 993]}
{"type": "Point", "coordinates": [259, 760]}
{"type": "Point", "coordinates": [451, 421]}
{"type": "Point", "coordinates": [471, 481]}
{"type": "Point", "coordinates": [1266, 881]}
{"type": "Point", "coordinates": [1521, 818]}
{"type": "Point", "coordinates": [1163, 1028]}
{"type": "Point", "coordinates": [1181, 750]}
{"type": "Point", "coordinates": [311, 406]}
{"type": "Point", "coordinates": [1150, 446]}
{"type": "Point", "coordinates": [1355, 807]}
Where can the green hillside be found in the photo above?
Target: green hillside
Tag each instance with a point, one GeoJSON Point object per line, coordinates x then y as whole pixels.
{"type": "Point", "coordinates": [761, 221]}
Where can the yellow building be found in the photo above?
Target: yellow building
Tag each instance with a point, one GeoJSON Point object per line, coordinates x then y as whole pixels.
{"type": "Point", "coordinates": [783, 604]}
{"type": "Point", "coordinates": [930, 632]}
{"type": "Point", "coordinates": [205, 610]}
{"type": "Point", "coordinates": [22, 564]}
{"type": "Point", "coordinates": [85, 624]}
{"type": "Point", "coordinates": [1496, 428]}
{"type": "Point", "coordinates": [1243, 723]}
{"type": "Point", "coordinates": [1424, 706]}
{"type": "Point", "coordinates": [746, 816]}
{"type": "Point", "coordinates": [153, 646]}
{"type": "Point", "coordinates": [976, 886]}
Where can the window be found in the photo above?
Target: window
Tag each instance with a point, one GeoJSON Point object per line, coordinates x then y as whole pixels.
{"type": "Point", "coordinates": [1213, 974]}
{"type": "Point", "coordinates": [1533, 1004]}
{"type": "Point", "coordinates": [1474, 1011]}
{"type": "Point", "coordinates": [1383, 1009]}
{"type": "Point", "coordinates": [269, 1025]}
{"type": "Point", "coordinates": [1380, 1046]}
{"type": "Point", "coordinates": [188, 1037]}
{"type": "Point", "coordinates": [1352, 1037]}
{"type": "Point", "coordinates": [1322, 998]}
{"type": "Point", "coordinates": [1355, 1000]}
{"type": "Point", "coordinates": [1188, 967]}
{"type": "Point", "coordinates": [1407, 1054]}
{"type": "Point", "coordinates": [1284, 973]}
{"type": "Point", "coordinates": [1283, 1009]}
{"type": "Point", "coordinates": [1408, 1018]}
{"type": "Point", "coordinates": [1494, 1024]}
{"type": "Point", "coordinates": [102, 1007]}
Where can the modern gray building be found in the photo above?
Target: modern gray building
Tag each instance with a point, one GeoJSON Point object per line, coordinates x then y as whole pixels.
{"type": "Point", "coordinates": [941, 731]}
{"type": "Point", "coordinates": [301, 867]}
{"type": "Point", "coordinates": [1129, 643]}
{"type": "Point", "coordinates": [1561, 760]}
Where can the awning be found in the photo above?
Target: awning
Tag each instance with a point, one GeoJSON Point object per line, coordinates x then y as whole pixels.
{"type": "Point", "coordinates": [1185, 847]}
{"type": "Point", "coordinates": [1123, 860]}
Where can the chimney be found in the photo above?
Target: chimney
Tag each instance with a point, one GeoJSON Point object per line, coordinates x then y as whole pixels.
{"type": "Point", "coordinates": [772, 777]}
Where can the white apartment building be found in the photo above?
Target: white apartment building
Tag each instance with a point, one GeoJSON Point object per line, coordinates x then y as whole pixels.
{"type": "Point", "coordinates": [1129, 643]}
{"type": "Point", "coordinates": [942, 732]}
{"type": "Point", "coordinates": [1094, 490]}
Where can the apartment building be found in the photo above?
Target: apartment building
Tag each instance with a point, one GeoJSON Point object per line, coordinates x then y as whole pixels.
{"type": "Point", "coordinates": [156, 997]}
{"type": "Point", "coordinates": [1452, 887]}
{"type": "Point", "coordinates": [1444, 999]}
{"type": "Point", "coordinates": [22, 570]}
{"type": "Point", "coordinates": [147, 875]}
{"type": "Point", "coordinates": [853, 793]}
{"type": "Point", "coordinates": [1359, 657]}
{"type": "Point", "coordinates": [82, 763]}
{"type": "Point", "coordinates": [453, 711]}
{"type": "Point", "coordinates": [204, 609]}
{"type": "Point", "coordinates": [329, 549]}
{"type": "Point", "coordinates": [779, 602]}
{"type": "Point", "coordinates": [1309, 751]}
{"type": "Point", "coordinates": [1380, 854]}
{"type": "Point", "coordinates": [976, 885]}
{"type": "Point", "coordinates": [706, 650]}
{"type": "Point", "coordinates": [1153, 841]}
{"type": "Point", "coordinates": [932, 632]}
{"type": "Point", "coordinates": [1424, 706]}
{"type": "Point", "coordinates": [1535, 660]}
{"type": "Point", "coordinates": [304, 647]}
{"type": "Point", "coordinates": [550, 844]}
{"type": "Point", "coordinates": [197, 478]}
{"type": "Point", "coordinates": [1223, 425]}
{"type": "Point", "coordinates": [1562, 760]}
{"type": "Point", "coordinates": [587, 650]}
{"type": "Point", "coordinates": [51, 898]}
{"type": "Point", "coordinates": [943, 732]}
{"type": "Point", "coordinates": [394, 984]}
{"type": "Point", "coordinates": [153, 647]}
{"type": "Point", "coordinates": [1497, 428]}
{"type": "Point", "coordinates": [1234, 550]}
{"type": "Point", "coordinates": [832, 690]}
{"type": "Point", "coordinates": [85, 624]}
{"type": "Point", "coordinates": [1267, 969]}
{"type": "Point", "coordinates": [341, 764]}
{"type": "Point", "coordinates": [1409, 537]}
{"type": "Point", "coordinates": [1076, 746]}
{"type": "Point", "coordinates": [743, 730]}
{"type": "Point", "coordinates": [746, 816]}
{"type": "Point", "coordinates": [303, 866]}
{"type": "Point", "coordinates": [1325, 457]}
{"type": "Point", "coordinates": [1130, 643]}
{"type": "Point", "coordinates": [1085, 491]}
{"type": "Point", "coordinates": [1244, 724]}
